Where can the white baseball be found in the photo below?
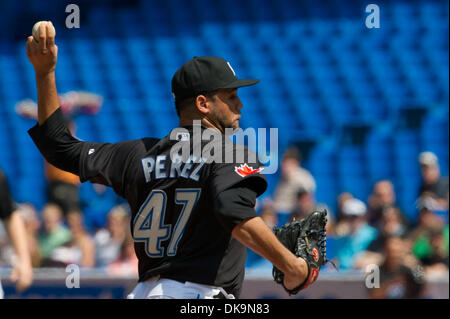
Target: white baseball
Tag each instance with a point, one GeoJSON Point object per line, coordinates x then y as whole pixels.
{"type": "Point", "coordinates": [35, 31]}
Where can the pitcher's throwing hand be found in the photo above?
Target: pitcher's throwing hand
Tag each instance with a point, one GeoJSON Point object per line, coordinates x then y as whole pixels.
{"type": "Point", "coordinates": [43, 52]}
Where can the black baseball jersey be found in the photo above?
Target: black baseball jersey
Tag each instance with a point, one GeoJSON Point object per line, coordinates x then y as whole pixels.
{"type": "Point", "coordinates": [6, 204]}
{"type": "Point", "coordinates": [181, 202]}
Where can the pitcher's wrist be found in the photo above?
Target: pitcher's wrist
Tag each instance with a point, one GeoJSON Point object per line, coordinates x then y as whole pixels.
{"type": "Point", "coordinates": [42, 75]}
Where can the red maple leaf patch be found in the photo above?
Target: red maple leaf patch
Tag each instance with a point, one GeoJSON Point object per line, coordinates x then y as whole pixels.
{"type": "Point", "coordinates": [245, 170]}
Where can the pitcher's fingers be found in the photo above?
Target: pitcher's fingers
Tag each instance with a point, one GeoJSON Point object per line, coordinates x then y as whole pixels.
{"type": "Point", "coordinates": [33, 46]}
{"type": "Point", "coordinates": [50, 34]}
{"type": "Point", "coordinates": [42, 37]}
{"type": "Point", "coordinates": [28, 45]}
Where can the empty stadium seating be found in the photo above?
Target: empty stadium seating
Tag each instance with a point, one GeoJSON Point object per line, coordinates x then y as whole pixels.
{"type": "Point", "coordinates": [321, 71]}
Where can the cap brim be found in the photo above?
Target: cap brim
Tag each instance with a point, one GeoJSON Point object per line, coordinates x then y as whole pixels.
{"type": "Point", "coordinates": [240, 83]}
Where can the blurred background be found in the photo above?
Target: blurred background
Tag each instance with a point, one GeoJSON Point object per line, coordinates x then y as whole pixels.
{"type": "Point", "coordinates": [362, 118]}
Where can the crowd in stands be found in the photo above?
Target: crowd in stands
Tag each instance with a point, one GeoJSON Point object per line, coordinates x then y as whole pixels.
{"type": "Point", "coordinates": [57, 240]}
{"type": "Point", "coordinates": [362, 232]}
{"type": "Point", "coordinates": [372, 231]}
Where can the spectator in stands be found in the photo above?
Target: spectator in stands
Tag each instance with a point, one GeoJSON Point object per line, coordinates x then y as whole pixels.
{"type": "Point", "coordinates": [54, 233]}
{"type": "Point", "coordinates": [127, 263]}
{"type": "Point", "coordinates": [293, 179]}
{"type": "Point", "coordinates": [108, 241]}
{"type": "Point", "coordinates": [430, 239]}
{"type": "Point", "coordinates": [382, 196]}
{"type": "Point", "coordinates": [342, 224]}
{"type": "Point", "coordinates": [62, 188]}
{"type": "Point", "coordinates": [401, 276]}
{"type": "Point", "coordinates": [392, 224]}
{"type": "Point", "coordinates": [81, 240]}
{"type": "Point", "coordinates": [342, 198]}
{"type": "Point", "coordinates": [32, 226]}
{"type": "Point", "coordinates": [358, 236]}
{"type": "Point", "coordinates": [436, 264]}
{"type": "Point", "coordinates": [306, 203]}
{"type": "Point", "coordinates": [432, 182]}
{"type": "Point", "coordinates": [80, 250]}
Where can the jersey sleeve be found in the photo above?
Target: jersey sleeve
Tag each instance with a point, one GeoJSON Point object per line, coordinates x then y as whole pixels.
{"type": "Point", "coordinates": [102, 163]}
{"type": "Point", "coordinates": [235, 186]}
{"type": "Point", "coordinates": [235, 205]}
{"type": "Point", "coordinates": [107, 164]}
{"type": "Point", "coordinates": [56, 143]}
{"type": "Point", "coordinates": [6, 205]}
{"type": "Point", "coordinates": [248, 173]}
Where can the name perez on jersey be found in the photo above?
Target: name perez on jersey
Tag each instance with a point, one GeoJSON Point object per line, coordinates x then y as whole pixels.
{"type": "Point", "coordinates": [161, 167]}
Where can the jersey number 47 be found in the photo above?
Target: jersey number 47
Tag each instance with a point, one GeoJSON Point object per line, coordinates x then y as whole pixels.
{"type": "Point", "coordinates": [149, 227]}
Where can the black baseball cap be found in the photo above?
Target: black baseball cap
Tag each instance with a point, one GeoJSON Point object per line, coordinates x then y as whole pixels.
{"type": "Point", "coordinates": [202, 75]}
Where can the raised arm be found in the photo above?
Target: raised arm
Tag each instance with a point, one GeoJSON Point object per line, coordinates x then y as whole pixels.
{"type": "Point", "coordinates": [43, 56]}
{"type": "Point", "coordinates": [102, 163]}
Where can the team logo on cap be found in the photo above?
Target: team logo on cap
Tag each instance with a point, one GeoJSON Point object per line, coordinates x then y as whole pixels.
{"type": "Point", "coordinates": [245, 170]}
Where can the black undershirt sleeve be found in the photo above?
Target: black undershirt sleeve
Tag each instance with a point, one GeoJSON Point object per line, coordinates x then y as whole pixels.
{"type": "Point", "coordinates": [234, 205]}
{"type": "Point", "coordinates": [6, 205]}
{"type": "Point", "coordinates": [57, 144]}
